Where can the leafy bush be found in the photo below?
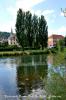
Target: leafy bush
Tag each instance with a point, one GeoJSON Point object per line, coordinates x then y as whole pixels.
{"type": "Point", "coordinates": [9, 48]}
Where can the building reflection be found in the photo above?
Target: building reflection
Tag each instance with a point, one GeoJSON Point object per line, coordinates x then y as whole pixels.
{"type": "Point", "coordinates": [50, 59]}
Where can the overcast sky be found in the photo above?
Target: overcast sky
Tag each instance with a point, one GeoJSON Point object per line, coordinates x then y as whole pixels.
{"type": "Point", "coordinates": [51, 9]}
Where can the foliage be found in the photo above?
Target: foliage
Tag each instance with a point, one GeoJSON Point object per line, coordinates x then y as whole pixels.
{"type": "Point", "coordinates": [31, 31]}
{"type": "Point", "coordinates": [56, 85]}
{"type": "Point", "coordinates": [14, 51]}
{"type": "Point", "coordinates": [65, 41]}
{"type": "Point", "coordinates": [43, 33]}
{"type": "Point", "coordinates": [20, 27]}
{"type": "Point", "coordinates": [60, 45]}
{"type": "Point", "coordinates": [35, 30]}
{"type": "Point", "coordinates": [28, 25]}
{"type": "Point", "coordinates": [8, 48]}
{"type": "Point", "coordinates": [4, 35]}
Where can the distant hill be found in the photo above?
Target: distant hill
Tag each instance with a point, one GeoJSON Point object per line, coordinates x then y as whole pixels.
{"type": "Point", "coordinates": [4, 35]}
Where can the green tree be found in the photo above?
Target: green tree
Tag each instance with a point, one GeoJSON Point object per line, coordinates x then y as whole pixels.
{"type": "Point", "coordinates": [60, 45]}
{"type": "Point", "coordinates": [35, 28]}
{"type": "Point", "coordinates": [20, 27]}
{"type": "Point", "coordinates": [31, 31]}
{"type": "Point", "coordinates": [43, 32]}
{"type": "Point", "coordinates": [37, 44]}
{"type": "Point", "coordinates": [65, 41]}
{"type": "Point", "coordinates": [28, 25]}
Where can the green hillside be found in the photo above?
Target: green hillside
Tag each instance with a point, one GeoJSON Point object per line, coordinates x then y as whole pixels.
{"type": "Point", "coordinates": [4, 35]}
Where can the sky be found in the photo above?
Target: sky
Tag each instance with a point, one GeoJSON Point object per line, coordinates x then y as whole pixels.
{"type": "Point", "coordinates": [51, 9]}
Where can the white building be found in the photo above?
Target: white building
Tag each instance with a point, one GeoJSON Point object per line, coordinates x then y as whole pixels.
{"type": "Point", "coordinates": [12, 40]}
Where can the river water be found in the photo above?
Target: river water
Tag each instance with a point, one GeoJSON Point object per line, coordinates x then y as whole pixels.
{"type": "Point", "coordinates": [33, 75]}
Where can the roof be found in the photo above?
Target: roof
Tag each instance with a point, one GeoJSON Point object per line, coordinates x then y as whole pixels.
{"type": "Point", "coordinates": [12, 36]}
{"type": "Point", "coordinates": [56, 36]}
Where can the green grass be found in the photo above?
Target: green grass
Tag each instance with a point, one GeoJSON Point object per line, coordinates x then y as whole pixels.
{"type": "Point", "coordinates": [26, 52]}
{"type": "Point", "coordinates": [30, 52]}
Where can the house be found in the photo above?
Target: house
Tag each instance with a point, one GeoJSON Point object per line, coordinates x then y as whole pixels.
{"type": "Point", "coordinates": [12, 40]}
{"type": "Point", "coordinates": [52, 40]}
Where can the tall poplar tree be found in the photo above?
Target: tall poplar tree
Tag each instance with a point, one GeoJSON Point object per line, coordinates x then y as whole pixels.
{"type": "Point", "coordinates": [35, 28]}
{"type": "Point", "coordinates": [28, 25]}
{"type": "Point", "coordinates": [31, 31]}
{"type": "Point", "coordinates": [20, 27]}
{"type": "Point", "coordinates": [43, 32]}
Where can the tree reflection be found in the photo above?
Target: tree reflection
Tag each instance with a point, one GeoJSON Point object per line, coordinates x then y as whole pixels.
{"type": "Point", "coordinates": [57, 59]}
{"type": "Point", "coordinates": [31, 75]}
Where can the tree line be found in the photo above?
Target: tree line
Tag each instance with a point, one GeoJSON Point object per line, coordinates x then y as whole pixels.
{"type": "Point", "coordinates": [31, 30]}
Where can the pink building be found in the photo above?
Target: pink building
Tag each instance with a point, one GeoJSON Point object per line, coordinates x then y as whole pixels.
{"type": "Point", "coordinates": [52, 40]}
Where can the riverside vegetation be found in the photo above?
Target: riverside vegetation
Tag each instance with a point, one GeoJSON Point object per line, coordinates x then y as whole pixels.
{"type": "Point", "coordinates": [11, 51]}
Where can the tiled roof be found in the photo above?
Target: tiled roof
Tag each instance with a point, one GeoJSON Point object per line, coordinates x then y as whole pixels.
{"type": "Point", "coordinates": [54, 36]}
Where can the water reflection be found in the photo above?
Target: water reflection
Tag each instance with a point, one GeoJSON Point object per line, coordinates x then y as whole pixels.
{"type": "Point", "coordinates": [23, 75]}
{"type": "Point", "coordinates": [7, 77]}
{"type": "Point", "coordinates": [31, 76]}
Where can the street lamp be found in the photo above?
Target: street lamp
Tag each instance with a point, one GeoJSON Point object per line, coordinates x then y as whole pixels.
{"type": "Point", "coordinates": [64, 12]}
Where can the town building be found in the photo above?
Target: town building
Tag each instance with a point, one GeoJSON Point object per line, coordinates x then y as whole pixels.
{"type": "Point", "coordinates": [12, 40]}
{"type": "Point", "coordinates": [52, 40]}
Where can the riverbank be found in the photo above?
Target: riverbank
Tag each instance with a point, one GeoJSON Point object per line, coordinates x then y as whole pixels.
{"type": "Point", "coordinates": [26, 52]}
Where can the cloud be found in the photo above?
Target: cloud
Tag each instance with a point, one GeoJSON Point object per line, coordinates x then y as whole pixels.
{"type": "Point", "coordinates": [62, 14]}
{"type": "Point", "coordinates": [48, 12]}
{"type": "Point", "coordinates": [7, 26]}
{"type": "Point", "coordinates": [12, 11]}
{"type": "Point", "coordinates": [61, 30]}
{"type": "Point", "coordinates": [45, 12]}
{"type": "Point", "coordinates": [27, 4]}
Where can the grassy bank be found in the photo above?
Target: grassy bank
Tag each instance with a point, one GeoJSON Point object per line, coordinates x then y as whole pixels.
{"type": "Point", "coordinates": [16, 52]}
{"type": "Point", "coordinates": [26, 52]}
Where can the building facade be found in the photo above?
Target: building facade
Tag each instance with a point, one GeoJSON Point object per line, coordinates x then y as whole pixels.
{"type": "Point", "coordinates": [52, 40]}
{"type": "Point", "coordinates": [12, 40]}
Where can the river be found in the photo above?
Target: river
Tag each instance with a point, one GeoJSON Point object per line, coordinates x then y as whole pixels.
{"type": "Point", "coordinates": [33, 75]}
